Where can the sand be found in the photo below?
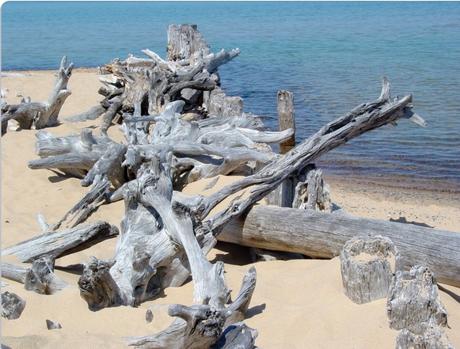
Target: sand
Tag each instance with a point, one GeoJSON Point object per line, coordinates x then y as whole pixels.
{"type": "Point", "coordinates": [296, 304]}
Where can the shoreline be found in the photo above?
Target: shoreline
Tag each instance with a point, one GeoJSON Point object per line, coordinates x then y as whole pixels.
{"type": "Point", "coordinates": [442, 189]}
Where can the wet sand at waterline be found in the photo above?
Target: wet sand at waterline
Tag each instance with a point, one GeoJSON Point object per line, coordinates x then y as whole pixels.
{"type": "Point", "coordinates": [296, 304]}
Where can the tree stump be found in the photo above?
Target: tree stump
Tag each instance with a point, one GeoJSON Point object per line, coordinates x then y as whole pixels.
{"type": "Point", "coordinates": [12, 305]}
{"type": "Point", "coordinates": [413, 300]}
{"type": "Point", "coordinates": [367, 266]}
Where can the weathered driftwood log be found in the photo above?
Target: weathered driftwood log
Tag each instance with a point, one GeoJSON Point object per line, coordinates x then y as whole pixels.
{"type": "Point", "coordinates": [414, 307]}
{"type": "Point", "coordinates": [41, 114]}
{"type": "Point", "coordinates": [323, 235]}
{"type": "Point", "coordinates": [60, 243]}
{"type": "Point", "coordinates": [12, 305]}
{"type": "Point", "coordinates": [39, 278]}
{"type": "Point", "coordinates": [367, 267]}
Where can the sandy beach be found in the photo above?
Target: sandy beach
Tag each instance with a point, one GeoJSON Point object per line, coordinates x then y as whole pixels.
{"type": "Point", "coordinates": [296, 304]}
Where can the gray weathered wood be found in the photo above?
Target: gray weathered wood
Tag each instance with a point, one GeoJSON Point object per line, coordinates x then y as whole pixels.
{"type": "Point", "coordinates": [237, 336]}
{"type": "Point", "coordinates": [367, 267]}
{"type": "Point", "coordinates": [413, 299]}
{"type": "Point", "coordinates": [312, 192]}
{"type": "Point", "coordinates": [364, 118]}
{"type": "Point", "coordinates": [41, 114]}
{"type": "Point", "coordinates": [53, 325]}
{"type": "Point", "coordinates": [39, 278]}
{"type": "Point", "coordinates": [432, 337]}
{"type": "Point", "coordinates": [12, 305]}
{"type": "Point", "coordinates": [323, 235]}
{"type": "Point", "coordinates": [286, 118]}
{"type": "Point", "coordinates": [60, 243]}
{"type": "Point", "coordinates": [415, 308]}
{"type": "Point", "coordinates": [184, 42]}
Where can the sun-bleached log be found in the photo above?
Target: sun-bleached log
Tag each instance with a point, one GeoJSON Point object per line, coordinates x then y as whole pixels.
{"type": "Point", "coordinates": [60, 243]}
{"type": "Point", "coordinates": [323, 235]}
{"type": "Point", "coordinates": [41, 114]}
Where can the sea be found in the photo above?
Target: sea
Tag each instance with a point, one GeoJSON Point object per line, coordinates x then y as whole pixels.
{"type": "Point", "coordinates": [331, 55]}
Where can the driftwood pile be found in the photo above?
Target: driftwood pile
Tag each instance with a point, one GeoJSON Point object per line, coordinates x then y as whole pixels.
{"type": "Point", "coordinates": [180, 127]}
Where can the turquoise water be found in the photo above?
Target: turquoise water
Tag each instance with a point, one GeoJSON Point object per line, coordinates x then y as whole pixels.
{"type": "Point", "coordinates": [331, 55]}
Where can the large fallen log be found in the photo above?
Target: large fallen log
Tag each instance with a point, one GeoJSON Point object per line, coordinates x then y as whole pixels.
{"type": "Point", "coordinates": [322, 235]}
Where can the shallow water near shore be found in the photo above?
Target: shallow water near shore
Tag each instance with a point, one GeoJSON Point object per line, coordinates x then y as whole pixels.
{"type": "Point", "coordinates": [331, 55]}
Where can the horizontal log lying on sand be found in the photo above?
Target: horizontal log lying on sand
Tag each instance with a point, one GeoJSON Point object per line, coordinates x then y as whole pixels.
{"type": "Point", "coordinates": [322, 235]}
{"type": "Point", "coordinates": [61, 243]}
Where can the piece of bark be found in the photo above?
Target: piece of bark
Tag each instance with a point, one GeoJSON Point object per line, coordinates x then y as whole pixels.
{"type": "Point", "coordinates": [413, 301]}
{"type": "Point", "coordinates": [53, 325]}
{"type": "Point", "coordinates": [312, 192]}
{"type": "Point", "coordinates": [60, 243]}
{"type": "Point", "coordinates": [41, 278]}
{"type": "Point", "coordinates": [367, 268]}
{"type": "Point", "coordinates": [12, 305]}
{"type": "Point", "coordinates": [322, 235]}
{"type": "Point", "coordinates": [237, 335]}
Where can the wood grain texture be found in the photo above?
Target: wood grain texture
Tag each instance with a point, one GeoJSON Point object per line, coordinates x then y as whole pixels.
{"type": "Point", "coordinates": [323, 235]}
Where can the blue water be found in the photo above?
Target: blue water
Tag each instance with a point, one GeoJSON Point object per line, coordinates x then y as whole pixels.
{"type": "Point", "coordinates": [331, 55]}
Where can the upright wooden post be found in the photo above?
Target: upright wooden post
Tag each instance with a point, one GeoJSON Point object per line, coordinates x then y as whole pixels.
{"type": "Point", "coordinates": [285, 193]}
{"type": "Point", "coordinates": [286, 118]}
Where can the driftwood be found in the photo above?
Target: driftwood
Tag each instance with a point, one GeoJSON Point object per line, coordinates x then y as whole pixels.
{"type": "Point", "coordinates": [180, 127]}
{"type": "Point", "coordinates": [53, 325]}
{"type": "Point", "coordinates": [39, 278]}
{"type": "Point", "coordinates": [286, 118]}
{"type": "Point", "coordinates": [40, 114]}
{"type": "Point", "coordinates": [61, 243]}
{"type": "Point", "coordinates": [413, 300]}
{"type": "Point", "coordinates": [323, 235]}
{"type": "Point", "coordinates": [432, 337]}
{"type": "Point", "coordinates": [366, 268]}
{"type": "Point", "coordinates": [12, 305]}
{"type": "Point", "coordinates": [414, 307]}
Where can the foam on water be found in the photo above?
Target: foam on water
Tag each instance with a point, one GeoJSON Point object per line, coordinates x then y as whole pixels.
{"type": "Point", "coordinates": [331, 55]}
